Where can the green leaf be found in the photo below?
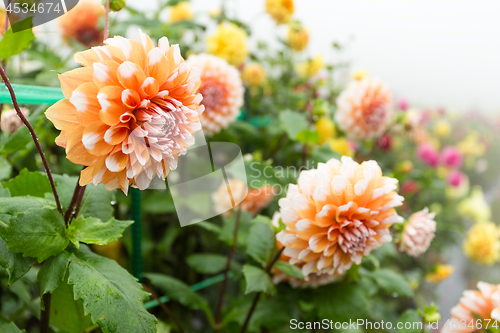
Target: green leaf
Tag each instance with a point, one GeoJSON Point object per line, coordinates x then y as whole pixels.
{"type": "Point", "coordinates": [66, 313]}
{"type": "Point", "coordinates": [260, 242]}
{"type": "Point", "coordinates": [308, 136]}
{"type": "Point", "coordinates": [8, 327]}
{"type": "Point", "coordinates": [53, 272]}
{"type": "Point", "coordinates": [14, 263]}
{"type": "Point", "coordinates": [28, 183]}
{"type": "Point", "coordinates": [207, 263]}
{"type": "Point", "coordinates": [257, 280]}
{"type": "Point", "coordinates": [112, 297]}
{"type": "Point", "coordinates": [290, 270]}
{"type": "Point", "coordinates": [209, 226]}
{"type": "Point", "coordinates": [17, 142]}
{"type": "Point", "coordinates": [412, 317]}
{"type": "Point", "coordinates": [340, 302]}
{"type": "Point", "coordinates": [38, 232]}
{"type": "Point", "coordinates": [180, 292]}
{"type": "Point", "coordinates": [14, 43]}
{"type": "Point", "coordinates": [226, 234]}
{"type": "Point", "coordinates": [65, 185]}
{"type": "Point", "coordinates": [5, 168]}
{"type": "Point", "coordinates": [160, 203]}
{"type": "Point", "coordinates": [392, 282]}
{"type": "Point", "coordinates": [97, 202]}
{"type": "Point", "coordinates": [93, 231]}
{"type": "Point", "coordinates": [4, 192]}
{"type": "Point", "coordinates": [293, 122]}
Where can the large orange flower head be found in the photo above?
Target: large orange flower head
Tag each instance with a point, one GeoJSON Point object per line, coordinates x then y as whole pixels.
{"type": "Point", "coordinates": [129, 112]}
{"type": "Point", "coordinates": [475, 306]}
{"type": "Point", "coordinates": [337, 214]}
{"type": "Point", "coordinates": [364, 108]}
{"type": "Point", "coordinates": [222, 91]}
{"type": "Point", "coordinates": [81, 23]}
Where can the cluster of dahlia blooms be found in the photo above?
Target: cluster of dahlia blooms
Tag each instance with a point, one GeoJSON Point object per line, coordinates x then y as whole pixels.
{"type": "Point", "coordinates": [364, 109]}
{"type": "Point", "coordinates": [482, 304]}
{"type": "Point", "coordinates": [222, 91]}
{"type": "Point", "coordinates": [129, 112]}
{"type": "Point", "coordinates": [418, 233]}
{"type": "Point", "coordinates": [337, 214]}
{"type": "Point", "coordinates": [82, 23]}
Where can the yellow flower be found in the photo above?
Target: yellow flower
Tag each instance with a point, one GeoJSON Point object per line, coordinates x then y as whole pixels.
{"type": "Point", "coordinates": [181, 12]}
{"type": "Point", "coordinates": [341, 146]}
{"type": "Point", "coordinates": [298, 36]}
{"type": "Point", "coordinates": [310, 67]}
{"type": "Point", "coordinates": [483, 243]}
{"type": "Point", "coordinates": [280, 10]}
{"type": "Point", "coordinates": [475, 206]}
{"type": "Point", "coordinates": [472, 145]}
{"type": "Point", "coordinates": [360, 74]}
{"type": "Point", "coordinates": [325, 128]}
{"type": "Point", "coordinates": [229, 43]}
{"type": "Point", "coordinates": [405, 166]}
{"type": "Point", "coordinates": [440, 273]}
{"type": "Point", "coordinates": [442, 129]}
{"type": "Point", "coordinates": [254, 74]}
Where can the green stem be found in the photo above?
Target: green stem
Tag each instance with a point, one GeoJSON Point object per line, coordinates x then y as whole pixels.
{"type": "Point", "coordinates": [135, 196]}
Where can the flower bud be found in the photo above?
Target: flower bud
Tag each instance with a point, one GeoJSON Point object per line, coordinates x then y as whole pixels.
{"type": "Point", "coordinates": [115, 5]}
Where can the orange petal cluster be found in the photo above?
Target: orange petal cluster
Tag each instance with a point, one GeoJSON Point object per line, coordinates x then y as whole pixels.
{"type": "Point", "coordinates": [337, 214]}
{"type": "Point", "coordinates": [81, 23]}
{"type": "Point", "coordinates": [364, 108]}
{"type": "Point", "coordinates": [252, 200]}
{"type": "Point", "coordinates": [475, 306]}
{"type": "Point", "coordinates": [129, 112]}
{"type": "Point", "coordinates": [222, 91]}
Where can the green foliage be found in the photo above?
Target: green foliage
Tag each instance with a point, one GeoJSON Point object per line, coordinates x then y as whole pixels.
{"type": "Point", "coordinates": [93, 231]}
{"type": "Point", "coordinates": [5, 168]}
{"type": "Point", "coordinates": [412, 317]}
{"type": "Point", "coordinates": [14, 43]}
{"type": "Point", "coordinates": [290, 270]}
{"type": "Point", "coordinates": [37, 232]}
{"type": "Point", "coordinates": [53, 272]}
{"type": "Point", "coordinates": [207, 263]}
{"type": "Point", "coordinates": [392, 282]}
{"type": "Point", "coordinates": [28, 183]}
{"type": "Point", "coordinates": [340, 302]}
{"type": "Point", "coordinates": [293, 122]}
{"type": "Point", "coordinates": [260, 242]}
{"type": "Point", "coordinates": [111, 296]}
{"type": "Point", "coordinates": [14, 263]}
{"type": "Point", "coordinates": [257, 280]}
{"type": "Point", "coordinates": [8, 327]}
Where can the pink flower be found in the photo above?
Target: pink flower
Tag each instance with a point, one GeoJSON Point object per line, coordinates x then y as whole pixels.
{"type": "Point", "coordinates": [428, 154]}
{"type": "Point", "coordinates": [456, 178]}
{"type": "Point", "coordinates": [403, 104]}
{"type": "Point", "coordinates": [385, 142]}
{"type": "Point", "coordinates": [451, 156]}
{"type": "Point", "coordinates": [409, 187]}
{"type": "Point", "coordinates": [418, 233]}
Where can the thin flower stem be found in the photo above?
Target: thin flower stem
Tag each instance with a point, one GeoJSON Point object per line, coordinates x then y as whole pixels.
{"type": "Point", "coordinates": [81, 192]}
{"type": "Point", "coordinates": [45, 314]}
{"type": "Point", "coordinates": [33, 135]}
{"type": "Point", "coordinates": [72, 203]}
{"type": "Point", "coordinates": [164, 307]}
{"type": "Point", "coordinates": [218, 313]}
{"type": "Point", "coordinates": [257, 295]}
{"type": "Point", "coordinates": [106, 21]}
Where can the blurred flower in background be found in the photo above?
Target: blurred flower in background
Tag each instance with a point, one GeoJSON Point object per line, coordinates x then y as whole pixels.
{"type": "Point", "coordinates": [418, 233]}
{"type": "Point", "coordinates": [298, 36]}
{"type": "Point", "coordinates": [222, 91]}
{"type": "Point", "coordinates": [229, 42]}
{"type": "Point", "coordinates": [475, 206]}
{"type": "Point", "coordinates": [181, 12]}
{"type": "Point", "coordinates": [280, 10]}
{"type": "Point", "coordinates": [439, 273]}
{"type": "Point", "coordinates": [364, 109]}
{"type": "Point", "coordinates": [82, 23]}
{"type": "Point", "coordinates": [254, 74]}
{"type": "Point", "coordinates": [311, 67]}
{"type": "Point", "coordinates": [11, 121]}
{"type": "Point", "coordinates": [482, 244]}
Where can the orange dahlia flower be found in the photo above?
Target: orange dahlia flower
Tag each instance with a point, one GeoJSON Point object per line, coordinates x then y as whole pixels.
{"type": "Point", "coordinates": [81, 23]}
{"type": "Point", "coordinates": [129, 112]}
{"type": "Point", "coordinates": [364, 108]}
{"type": "Point", "coordinates": [222, 91]}
{"type": "Point", "coordinates": [337, 214]}
{"type": "Point", "coordinates": [475, 304]}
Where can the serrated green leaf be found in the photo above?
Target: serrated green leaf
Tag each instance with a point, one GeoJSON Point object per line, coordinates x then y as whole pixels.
{"type": "Point", "coordinates": [65, 186]}
{"type": "Point", "coordinates": [14, 263]}
{"type": "Point", "coordinates": [410, 316]}
{"type": "Point", "coordinates": [257, 280]}
{"type": "Point", "coordinates": [34, 183]}
{"type": "Point", "coordinates": [392, 282]}
{"type": "Point", "coordinates": [112, 297]}
{"type": "Point", "coordinates": [38, 232]}
{"type": "Point", "coordinates": [293, 122]}
{"type": "Point", "coordinates": [207, 263]}
{"type": "Point", "coordinates": [14, 43]}
{"type": "Point", "coordinates": [91, 230]}
{"type": "Point", "coordinates": [66, 313]}
{"type": "Point", "coordinates": [260, 242]}
{"type": "Point", "coordinates": [53, 272]}
{"type": "Point", "coordinates": [340, 302]}
{"type": "Point", "coordinates": [4, 192]}
{"type": "Point", "coordinates": [290, 270]}
{"type": "Point", "coordinates": [8, 327]}
{"type": "Point", "coordinates": [97, 202]}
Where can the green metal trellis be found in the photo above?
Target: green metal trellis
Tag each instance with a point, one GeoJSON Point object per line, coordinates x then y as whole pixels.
{"type": "Point", "coordinates": [35, 95]}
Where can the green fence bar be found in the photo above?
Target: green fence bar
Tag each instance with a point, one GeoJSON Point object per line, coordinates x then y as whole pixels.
{"type": "Point", "coordinates": [135, 197]}
{"type": "Point", "coordinates": [31, 94]}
